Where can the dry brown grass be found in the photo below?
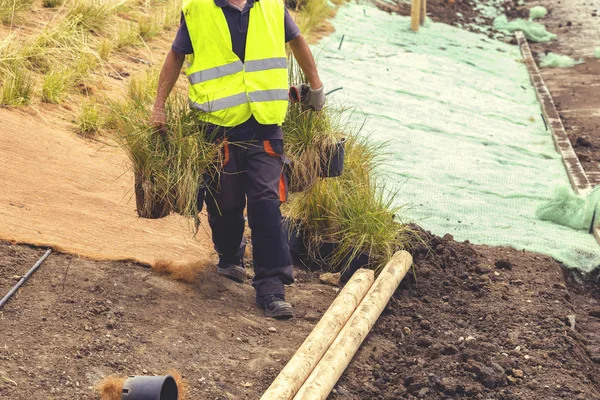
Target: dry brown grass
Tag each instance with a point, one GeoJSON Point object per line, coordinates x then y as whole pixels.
{"type": "Point", "coordinates": [184, 272]}
{"type": "Point", "coordinates": [110, 388]}
{"type": "Point", "coordinates": [182, 384]}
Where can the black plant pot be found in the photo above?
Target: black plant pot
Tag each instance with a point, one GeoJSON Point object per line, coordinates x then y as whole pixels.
{"type": "Point", "coordinates": [333, 164]}
{"type": "Point", "coordinates": [150, 388]}
{"type": "Point", "coordinates": [357, 263]}
{"type": "Point", "coordinates": [295, 238]}
{"type": "Point", "coordinates": [159, 209]}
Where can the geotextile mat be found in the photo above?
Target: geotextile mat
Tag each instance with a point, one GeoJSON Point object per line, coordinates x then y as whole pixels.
{"type": "Point", "coordinates": [468, 150]}
{"type": "Point", "coordinates": [76, 195]}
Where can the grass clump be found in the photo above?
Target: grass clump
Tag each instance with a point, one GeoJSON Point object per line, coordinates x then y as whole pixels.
{"type": "Point", "coordinates": [105, 49]}
{"type": "Point", "coordinates": [11, 9]}
{"type": "Point", "coordinates": [313, 16]}
{"type": "Point", "coordinates": [126, 36]}
{"type": "Point", "coordinates": [150, 26]}
{"type": "Point", "coordinates": [169, 167]}
{"type": "Point", "coordinates": [308, 136]}
{"type": "Point", "coordinates": [93, 15]}
{"type": "Point", "coordinates": [56, 86]}
{"type": "Point", "coordinates": [17, 87]}
{"type": "Point", "coordinates": [355, 211]}
{"type": "Point", "coordinates": [89, 120]}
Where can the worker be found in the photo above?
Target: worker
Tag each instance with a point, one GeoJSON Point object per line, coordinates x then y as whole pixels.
{"type": "Point", "coordinates": [238, 83]}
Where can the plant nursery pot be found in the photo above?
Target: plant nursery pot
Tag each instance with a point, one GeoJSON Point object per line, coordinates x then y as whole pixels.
{"type": "Point", "coordinates": [323, 261]}
{"type": "Point", "coordinates": [150, 388]}
{"type": "Point", "coordinates": [357, 263]}
{"type": "Point", "coordinates": [295, 237]}
{"type": "Point", "coordinates": [159, 208]}
{"type": "Point", "coordinates": [333, 164]}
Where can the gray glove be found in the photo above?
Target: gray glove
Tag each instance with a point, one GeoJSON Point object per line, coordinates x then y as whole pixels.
{"type": "Point", "coordinates": [314, 99]}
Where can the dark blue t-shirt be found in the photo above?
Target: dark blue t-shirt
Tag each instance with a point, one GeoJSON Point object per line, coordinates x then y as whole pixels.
{"type": "Point", "coordinates": [238, 27]}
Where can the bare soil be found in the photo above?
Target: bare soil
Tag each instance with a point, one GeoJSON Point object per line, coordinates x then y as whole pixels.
{"type": "Point", "coordinates": [66, 330]}
{"type": "Point", "coordinates": [481, 323]}
{"type": "Point", "coordinates": [471, 322]}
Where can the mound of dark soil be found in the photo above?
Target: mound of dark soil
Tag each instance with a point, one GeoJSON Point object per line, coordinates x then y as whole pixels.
{"type": "Point", "coordinates": [479, 322]}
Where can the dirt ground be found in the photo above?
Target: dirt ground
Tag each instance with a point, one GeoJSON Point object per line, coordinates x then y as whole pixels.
{"type": "Point", "coordinates": [68, 329]}
{"type": "Point", "coordinates": [469, 326]}
{"type": "Point", "coordinates": [481, 323]}
{"type": "Point", "coordinates": [576, 90]}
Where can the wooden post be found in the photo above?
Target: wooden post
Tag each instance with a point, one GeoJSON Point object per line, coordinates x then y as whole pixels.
{"type": "Point", "coordinates": [415, 15]}
{"type": "Point", "coordinates": [423, 12]}
{"type": "Point", "coordinates": [325, 375]}
{"type": "Point", "coordinates": [291, 378]}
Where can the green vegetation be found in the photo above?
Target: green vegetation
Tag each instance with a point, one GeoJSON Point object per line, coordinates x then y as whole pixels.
{"type": "Point", "coordinates": [308, 135]}
{"type": "Point", "coordinates": [168, 166]}
{"type": "Point", "coordinates": [92, 14]}
{"type": "Point", "coordinates": [355, 210]}
{"type": "Point", "coordinates": [89, 120]}
{"type": "Point", "coordinates": [11, 9]}
{"type": "Point", "coordinates": [17, 88]}
{"type": "Point", "coordinates": [56, 86]}
{"type": "Point", "coordinates": [70, 47]}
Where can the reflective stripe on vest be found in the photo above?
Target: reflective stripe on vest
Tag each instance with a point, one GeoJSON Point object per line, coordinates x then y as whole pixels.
{"type": "Point", "coordinates": [225, 89]}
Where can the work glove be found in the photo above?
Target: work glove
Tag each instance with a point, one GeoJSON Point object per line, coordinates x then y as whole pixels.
{"type": "Point", "coordinates": [312, 98]}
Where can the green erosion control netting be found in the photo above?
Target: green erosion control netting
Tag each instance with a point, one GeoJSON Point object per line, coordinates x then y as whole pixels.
{"type": "Point", "coordinates": [553, 60]}
{"type": "Point", "coordinates": [537, 12]}
{"type": "Point", "coordinates": [532, 30]}
{"type": "Point", "coordinates": [467, 146]}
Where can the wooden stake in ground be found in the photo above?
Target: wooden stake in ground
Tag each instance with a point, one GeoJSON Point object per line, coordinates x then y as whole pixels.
{"type": "Point", "coordinates": [289, 380]}
{"type": "Point", "coordinates": [423, 14]}
{"type": "Point", "coordinates": [325, 375]}
{"type": "Point", "coordinates": [415, 15]}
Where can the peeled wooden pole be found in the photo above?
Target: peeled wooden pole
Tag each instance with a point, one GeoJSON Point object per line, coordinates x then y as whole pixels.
{"type": "Point", "coordinates": [415, 15]}
{"type": "Point", "coordinates": [423, 14]}
{"type": "Point", "coordinates": [325, 375]}
{"type": "Point", "coordinates": [289, 380]}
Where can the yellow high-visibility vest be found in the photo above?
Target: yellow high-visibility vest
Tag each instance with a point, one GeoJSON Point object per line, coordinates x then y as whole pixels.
{"type": "Point", "coordinates": [225, 89]}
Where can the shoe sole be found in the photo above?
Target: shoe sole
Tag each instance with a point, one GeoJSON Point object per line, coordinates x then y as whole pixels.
{"type": "Point", "coordinates": [281, 312]}
{"type": "Point", "coordinates": [235, 274]}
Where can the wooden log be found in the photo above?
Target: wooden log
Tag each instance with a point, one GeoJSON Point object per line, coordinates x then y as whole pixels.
{"type": "Point", "coordinates": [423, 14]}
{"type": "Point", "coordinates": [325, 375]}
{"type": "Point", "coordinates": [415, 15]}
{"type": "Point", "coordinates": [291, 378]}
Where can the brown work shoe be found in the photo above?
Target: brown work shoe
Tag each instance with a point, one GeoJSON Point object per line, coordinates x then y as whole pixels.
{"type": "Point", "coordinates": [275, 306]}
{"type": "Point", "coordinates": [234, 272]}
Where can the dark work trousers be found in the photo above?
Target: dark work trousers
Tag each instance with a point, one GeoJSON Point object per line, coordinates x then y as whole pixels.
{"type": "Point", "coordinates": [252, 170]}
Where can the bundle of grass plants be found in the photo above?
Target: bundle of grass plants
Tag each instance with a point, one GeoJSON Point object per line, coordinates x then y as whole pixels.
{"type": "Point", "coordinates": [355, 211]}
{"type": "Point", "coordinates": [308, 137]}
{"type": "Point", "coordinates": [169, 166]}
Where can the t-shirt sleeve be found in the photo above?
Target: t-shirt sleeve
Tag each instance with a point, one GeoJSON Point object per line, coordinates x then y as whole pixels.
{"type": "Point", "coordinates": [182, 43]}
{"type": "Point", "coordinates": [291, 29]}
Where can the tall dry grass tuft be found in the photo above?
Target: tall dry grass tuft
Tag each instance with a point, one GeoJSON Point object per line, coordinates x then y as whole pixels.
{"type": "Point", "coordinates": [17, 87]}
{"type": "Point", "coordinates": [93, 15]}
{"type": "Point", "coordinates": [110, 388]}
{"type": "Point", "coordinates": [11, 10]}
{"type": "Point", "coordinates": [184, 272]}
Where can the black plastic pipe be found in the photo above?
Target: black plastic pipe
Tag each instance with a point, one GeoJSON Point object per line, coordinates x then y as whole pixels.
{"type": "Point", "coordinates": [24, 278]}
